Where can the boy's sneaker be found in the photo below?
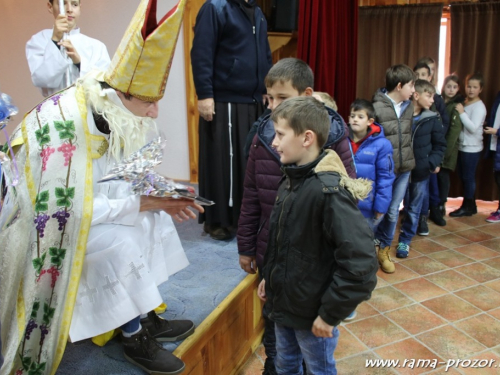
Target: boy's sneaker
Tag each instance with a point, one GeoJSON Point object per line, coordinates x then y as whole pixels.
{"type": "Point", "coordinates": [144, 351]}
{"type": "Point", "coordinates": [423, 228]}
{"type": "Point", "coordinates": [351, 316]}
{"type": "Point", "coordinates": [494, 217]}
{"type": "Point", "coordinates": [402, 250]}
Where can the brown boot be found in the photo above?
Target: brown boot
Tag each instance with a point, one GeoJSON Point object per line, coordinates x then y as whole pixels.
{"type": "Point", "coordinates": [385, 260]}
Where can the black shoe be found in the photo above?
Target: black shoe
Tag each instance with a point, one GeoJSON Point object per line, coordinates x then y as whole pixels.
{"type": "Point", "coordinates": [269, 367]}
{"type": "Point", "coordinates": [144, 351]}
{"type": "Point", "coordinates": [167, 330]}
{"type": "Point", "coordinates": [220, 233]}
{"type": "Point", "coordinates": [468, 208]}
{"type": "Point", "coordinates": [442, 209]}
{"type": "Point", "coordinates": [423, 228]}
{"type": "Point", "coordinates": [217, 232]}
{"type": "Point", "coordinates": [436, 216]}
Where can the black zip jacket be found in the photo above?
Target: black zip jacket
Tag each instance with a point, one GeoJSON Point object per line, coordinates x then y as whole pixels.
{"type": "Point", "coordinates": [320, 258]}
{"type": "Point", "coordinates": [429, 145]}
{"type": "Point", "coordinates": [230, 55]}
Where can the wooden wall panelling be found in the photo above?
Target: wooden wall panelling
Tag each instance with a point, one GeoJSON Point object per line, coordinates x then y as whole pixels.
{"type": "Point", "coordinates": [191, 10]}
{"type": "Point", "coordinates": [282, 45]}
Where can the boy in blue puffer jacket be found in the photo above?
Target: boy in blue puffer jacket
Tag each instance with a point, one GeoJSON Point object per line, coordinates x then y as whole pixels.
{"type": "Point", "coordinates": [373, 160]}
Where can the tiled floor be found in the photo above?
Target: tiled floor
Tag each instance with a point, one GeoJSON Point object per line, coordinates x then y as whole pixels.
{"type": "Point", "coordinates": [443, 303]}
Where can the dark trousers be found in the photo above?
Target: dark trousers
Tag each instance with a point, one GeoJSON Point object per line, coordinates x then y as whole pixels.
{"type": "Point", "coordinates": [432, 198]}
{"type": "Point", "coordinates": [497, 180]}
{"type": "Point", "coordinates": [269, 338]}
{"type": "Point", "coordinates": [467, 166]}
{"type": "Point", "coordinates": [444, 184]}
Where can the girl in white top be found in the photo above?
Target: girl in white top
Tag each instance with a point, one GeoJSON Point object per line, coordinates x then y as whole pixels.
{"type": "Point", "coordinates": [470, 143]}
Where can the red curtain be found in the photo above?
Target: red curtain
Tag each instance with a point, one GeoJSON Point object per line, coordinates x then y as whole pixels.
{"type": "Point", "coordinates": [328, 42]}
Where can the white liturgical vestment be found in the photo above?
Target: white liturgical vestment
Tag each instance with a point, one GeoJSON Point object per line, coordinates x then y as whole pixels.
{"type": "Point", "coordinates": [129, 253]}
{"type": "Point", "coordinates": [48, 66]}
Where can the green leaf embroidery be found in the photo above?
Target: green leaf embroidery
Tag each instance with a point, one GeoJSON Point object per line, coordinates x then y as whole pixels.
{"type": "Point", "coordinates": [66, 129]}
{"type": "Point", "coordinates": [64, 196]}
{"type": "Point", "coordinates": [38, 264]}
{"type": "Point", "coordinates": [57, 255]}
{"type": "Point", "coordinates": [26, 362]}
{"type": "Point", "coordinates": [41, 201]}
{"type": "Point", "coordinates": [34, 312]}
{"type": "Point", "coordinates": [37, 369]}
{"type": "Point", "coordinates": [48, 313]}
{"type": "Point", "coordinates": [42, 135]}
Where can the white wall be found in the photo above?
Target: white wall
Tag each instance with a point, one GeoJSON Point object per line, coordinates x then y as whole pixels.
{"type": "Point", "coordinates": [105, 20]}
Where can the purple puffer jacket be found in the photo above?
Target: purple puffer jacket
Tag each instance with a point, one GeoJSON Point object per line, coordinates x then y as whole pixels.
{"type": "Point", "coordinates": [262, 178]}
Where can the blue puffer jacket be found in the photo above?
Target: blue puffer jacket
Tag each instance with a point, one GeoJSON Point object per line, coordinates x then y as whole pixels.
{"type": "Point", "coordinates": [373, 161]}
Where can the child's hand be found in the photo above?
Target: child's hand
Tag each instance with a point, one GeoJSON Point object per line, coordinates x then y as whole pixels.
{"type": "Point", "coordinates": [60, 27]}
{"type": "Point", "coordinates": [460, 108]}
{"type": "Point", "coordinates": [321, 328]}
{"type": "Point", "coordinates": [489, 130]}
{"type": "Point", "coordinates": [378, 215]}
{"type": "Point", "coordinates": [248, 264]}
{"type": "Point", "coordinates": [70, 51]}
{"type": "Point", "coordinates": [436, 170]}
{"type": "Point", "coordinates": [261, 291]}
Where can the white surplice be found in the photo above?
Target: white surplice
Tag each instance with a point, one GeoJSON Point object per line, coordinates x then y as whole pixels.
{"type": "Point", "coordinates": [48, 66]}
{"type": "Point", "coordinates": [129, 253]}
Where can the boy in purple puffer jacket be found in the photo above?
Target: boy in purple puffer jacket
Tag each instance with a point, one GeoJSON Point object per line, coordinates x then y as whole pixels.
{"type": "Point", "coordinates": [288, 78]}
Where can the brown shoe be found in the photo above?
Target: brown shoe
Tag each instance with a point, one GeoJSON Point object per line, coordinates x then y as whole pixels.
{"type": "Point", "coordinates": [385, 260]}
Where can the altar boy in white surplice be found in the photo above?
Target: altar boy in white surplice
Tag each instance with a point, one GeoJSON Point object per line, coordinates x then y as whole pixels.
{"type": "Point", "coordinates": [50, 55]}
{"type": "Point", "coordinates": [80, 258]}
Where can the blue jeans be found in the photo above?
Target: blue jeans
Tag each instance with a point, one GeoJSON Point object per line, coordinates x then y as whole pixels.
{"type": "Point", "coordinates": [295, 345]}
{"type": "Point", "coordinates": [417, 192]}
{"type": "Point", "coordinates": [387, 227]}
{"type": "Point", "coordinates": [373, 223]}
{"type": "Point", "coordinates": [432, 198]}
{"type": "Point", "coordinates": [466, 167]}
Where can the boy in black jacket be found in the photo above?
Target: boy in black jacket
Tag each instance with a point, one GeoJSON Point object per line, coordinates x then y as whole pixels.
{"type": "Point", "coordinates": [320, 261]}
{"type": "Point", "coordinates": [429, 145]}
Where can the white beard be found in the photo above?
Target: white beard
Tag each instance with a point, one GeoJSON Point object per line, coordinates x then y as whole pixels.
{"type": "Point", "coordinates": [128, 131]}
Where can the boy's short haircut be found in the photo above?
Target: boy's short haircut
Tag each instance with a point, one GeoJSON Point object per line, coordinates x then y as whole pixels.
{"type": "Point", "coordinates": [422, 65]}
{"type": "Point", "coordinates": [476, 77]}
{"type": "Point", "coordinates": [292, 70]}
{"type": "Point", "coordinates": [398, 74]}
{"type": "Point", "coordinates": [421, 86]}
{"type": "Point", "coordinates": [363, 105]}
{"type": "Point", "coordinates": [327, 99]}
{"type": "Point", "coordinates": [304, 113]}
